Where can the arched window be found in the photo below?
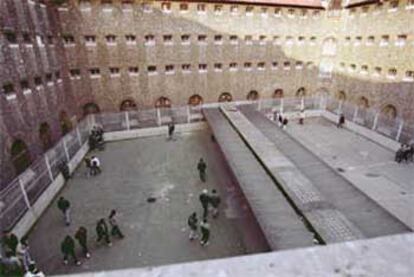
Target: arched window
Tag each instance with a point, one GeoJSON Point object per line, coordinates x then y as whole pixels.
{"type": "Point", "coordinates": [341, 96]}
{"type": "Point", "coordinates": [90, 108]}
{"type": "Point", "coordinates": [225, 97]}
{"type": "Point", "coordinates": [253, 95]}
{"type": "Point", "coordinates": [389, 111]}
{"type": "Point", "coordinates": [301, 92]}
{"type": "Point", "coordinates": [45, 135]}
{"type": "Point", "coordinates": [278, 93]}
{"type": "Point", "coordinates": [20, 156]}
{"type": "Point", "coordinates": [163, 102]}
{"type": "Point", "coordinates": [65, 123]}
{"type": "Point", "coordinates": [363, 103]}
{"type": "Point", "coordinates": [195, 100]}
{"type": "Point", "coordinates": [128, 105]}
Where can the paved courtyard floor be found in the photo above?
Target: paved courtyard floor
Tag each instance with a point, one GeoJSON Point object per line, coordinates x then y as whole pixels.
{"type": "Point", "coordinates": [369, 166]}
{"type": "Point", "coordinates": [156, 233]}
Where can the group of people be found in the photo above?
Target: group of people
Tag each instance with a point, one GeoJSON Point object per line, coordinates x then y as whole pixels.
{"type": "Point", "coordinates": [405, 153]}
{"type": "Point", "coordinates": [93, 165]}
{"type": "Point", "coordinates": [17, 260]}
{"type": "Point", "coordinates": [210, 202]}
{"type": "Point", "coordinates": [96, 139]}
{"type": "Point", "coordinates": [103, 233]}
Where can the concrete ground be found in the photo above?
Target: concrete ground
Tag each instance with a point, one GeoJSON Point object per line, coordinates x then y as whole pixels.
{"type": "Point", "coordinates": [369, 166]}
{"type": "Point", "coordinates": [156, 233]}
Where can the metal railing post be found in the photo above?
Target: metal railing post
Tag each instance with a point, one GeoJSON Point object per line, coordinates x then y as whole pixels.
{"type": "Point", "coordinates": [65, 147]}
{"type": "Point", "coordinates": [188, 114]}
{"type": "Point", "coordinates": [158, 116]}
{"type": "Point", "coordinates": [397, 137]}
{"type": "Point", "coordinates": [127, 120]}
{"type": "Point", "coordinates": [26, 199]}
{"type": "Point", "coordinates": [374, 125]}
{"type": "Point", "coordinates": [78, 135]}
{"type": "Point", "coordinates": [355, 114]}
{"type": "Point", "coordinates": [49, 169]}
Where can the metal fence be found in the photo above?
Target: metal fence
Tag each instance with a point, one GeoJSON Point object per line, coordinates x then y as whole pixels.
{"type": "Point", "coordinates": [20, 195]}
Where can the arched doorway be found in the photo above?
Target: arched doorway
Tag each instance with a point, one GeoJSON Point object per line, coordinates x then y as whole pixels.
{"type": "Point", "coordinates": [20, 156]}
{"type": "Point", "coordinates": [163, 102]}
{"type": "Point", "coordinates": [363, 103]}
{"type": "Point", "coordinates": [253, 95]}
{"type": "Point", "coordinates": [278, 93]}
{"type": "Point", "coordinates": [389, 111]}
{"type": "Point", "coordinates": [45, 135]}
{"type": "Point", "coordinates": [65, 123]}
{"type": "Point", "coordinates": [225, 97]}
{"type": "Point", "coordinates": [341, 96]}
{"type": "Point", "coordinates": [128, 105]}
{"type": "Point", "coordinates": [90, 108]}
{"type": "Point", "coordinates": [195, 100]}
{"type": "Point", "coordinates": [301, 92]}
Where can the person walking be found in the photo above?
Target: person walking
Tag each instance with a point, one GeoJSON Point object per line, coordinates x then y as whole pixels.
{"type": "Point", "coordinates": [205, 232]}
{"type": "Point", "coordinates": [115, 231]}
{"type": "Point", "coordinates": [341, 121]}
{"type": "Point", "coordinates": [285, 123]}
{"type": "Point", "coordinates": [171, 128]}
{"type": "Point", "coordinates": [82, 237]}
{"type": "Point", "coordinates": [193, 224]}
{"type": "Point", "coordinates": [68, 249]}
{"type": "Point", "coordinates": [96, 165]}
{"type": "Point", "coordinates": [23, 253]}
{"type": "Point", "coordinates": [204, 199]}
{"type": "Point", "coordinates": [202, 167]}
{"type": "Point", "coordinates": [215, 201]}
{"type": "Point", "coordinates": [102, 231]}
{"type": "Point", "coordinates": [9, 242]}
{"type": "Point", "coordinates": [64, 205]}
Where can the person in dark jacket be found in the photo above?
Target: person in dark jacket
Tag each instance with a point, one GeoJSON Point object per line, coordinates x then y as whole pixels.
{"type": "Point", "coordinates": [115, 231]}
{"type": "Point", "coordinates": [341, 121]}
{"type": "Point", "coordinates": [82, 237]}
{"type": "Point", "coordinates": [102, 232]}
{"type": "Point", "coordinates": [68, 249]}
{"type": "Point", "coordinates": [193, 224]}
{"type": "Point", "coordinates": [202, 167]}
{"type": "Point", "coordinates": [9, 242]}
{"type": "Point", "coordinates": [205, 232]}
{"type": "Point", "coordinates": [171, 128]}
{"type": "Point", "coordinates": [215, 201]}
{"type": "Point", "coordinates": [64, 205]}
{"type": "Point", "coordinates": [204, 199]}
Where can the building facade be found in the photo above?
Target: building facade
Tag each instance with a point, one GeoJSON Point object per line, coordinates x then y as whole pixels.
{"type": "Point", "coordinates": [62, 59]}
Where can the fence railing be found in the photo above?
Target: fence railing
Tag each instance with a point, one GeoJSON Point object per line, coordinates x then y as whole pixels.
{"type": "Point", "coordinates": [20, 195]}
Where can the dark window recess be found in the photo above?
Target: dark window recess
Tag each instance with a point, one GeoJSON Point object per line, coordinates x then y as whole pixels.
{"type": "Point", "coordinates": [8, 88]}
{"type": "Point", "coordinates": [49, 77]}
{"type": "Point", "coordinates": [27, 38]}
{"type": "Point", "coordinates": [57, 75]}
{"type": "Point", "coordinates": [38, 81]}
{"type": "Point", "coordinates": [24, 84]}
{"type": "Point", "coordinates": [11, 37]}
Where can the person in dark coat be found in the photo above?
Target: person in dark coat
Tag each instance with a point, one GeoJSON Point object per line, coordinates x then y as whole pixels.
{"type": "Point", "coordinates": [171, 128]}
{"type": "Point", "coordinates": [9, 242]}
{"type": "Point", "coordinates": [205, 232]}
{"type": "Point", "coordinates": [193, 224]}
{"type": "Point", "coordinates": [285, 123]}
{"type": "Point", "coordinates": [215, 201]}
{"type": "Point", "coordinates": [115, 231]}
{"type": "Point", "coordinates": [82, 237]}
{"type": "Point", "coordinates": [102, 232]}
{"type": "Point", "coordinates": [341, 121]}
{"type": "Point", "coordinates": [64, 205]}
{"type": "Point", "coordinates": [204, 199]}
{"type": "Point", "coordinates": [68, 249]}
{"type": "Point", "coordinates": [202, 167]}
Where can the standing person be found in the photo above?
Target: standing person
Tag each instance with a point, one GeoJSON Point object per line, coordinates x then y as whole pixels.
{"type": "Point", "coordinates": [341, 121]}
{"type": "Point", "coordinates": [193, 224]}
{"type": "Point", "coordinates": [171, 128]}
{"type": "Point", "coordinates": [96, 165]}
{"type": "Point", "coordinates": [215, 201]}
{"type": "Point", "coordinates": [82, 236]}
{"type": "Point", "coordinates": [64, 205]}
{"type": "Point", "coordinates": [285, 123]}
{"type": "Point", "coordinates": [68, 249]}
{"type": "Point", "coordinates": [33, 271]}
{"type": "Point", "coordinates": [276, 116]}
{"type": "Point", "coordinates": [102, 232]}
{"type": "Point", "coordinates": [280, 120]}
{"type": "Point", "coordinates": [205, 232]}
{"type": "Point", "coordinates": [302, 117]}
{"type": "Point", "coordinates": [115, 231]}
{"type": "Point", "coordinates": [9, 242]}
{"type": "Point", "coordinates": [202, 167]}
{"type": "Point", "coordinates": [204, 199]}
{"type": "Point", "coordinates": [23, 253]}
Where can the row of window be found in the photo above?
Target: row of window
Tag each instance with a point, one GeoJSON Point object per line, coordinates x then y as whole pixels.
{"type": "Point", "coordinates": [95, 72]}
{"type": "Point", "coordinates": [38, 81]}
{"type": "Point", "coordinates": [376, 71]}
{"type": "Point", "coordinates": [384, 40]}
{"type": "Point", "coordinates": [391, 6]}
{"type": "Point", "coordinates": [202, 8]}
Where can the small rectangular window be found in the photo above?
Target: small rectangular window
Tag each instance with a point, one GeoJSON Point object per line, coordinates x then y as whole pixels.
{"type": "Point", "coordinates": [57, 76]}
{"type": "Point", "coordinates": [249, 10]}
{"type": "Point", "coordinates": [385, 39]}
{"type": "Point", "coordinates": [169, 69]}
{"type": "Point", "coordinates": [262, 39]}
{"type": "Point", "coordinates": [185, 39]}
{"type": "Point", "coordinates": [133, 70]}
{"type": "Point", "coordinates": [234, 9]}
{"type": "Point", "coordinates": [352, 67]}
{"type": "Point", "coordinates": [377, 71]}
{"type": "Point", "coordinates": [247, 66]}
{"type": "Point", "coordinates": [261, 66]}
{"type": "Point", "coordinates": [131, 39]}
{"type": "Point", "coordinates": [218, 67]}
{"type": "Point", "coordinates": [168, 39]}
{"type": "Point", "coordinates": [299, 65]}
{"type": "Point", "coordinates": [68, 39]}
{"type": "Point", "coordinates": [75, 73]}
{"type": "Point", "coordinates": [152, 69]}
{"type": "Point", "coordinates": [38, 81]}
{"type": "Point", "coordinates": [233, 67]}
{"type": "Point", "coordinates": [409, 75]}
{"type": "Point", "coordinates": [27, 38]}
{"type": "Point", "coordinates": [49, 78]}
{"type": "Point", "coordinates": [364, 69]}
{"type": "Point", "coordinates": [401, 40]}
{"type": "Point", "coordinates": [114, 71]}
{"type": "Point", "coordinates": [95, 72]}
{"type": "Point", "coordinates": [202, 67]}
{"type": "Point", "coordinates": [277, 12]}
{"type": "Point", "coordinates": [24, 84]}
{"type": "Point", "coordinates": [218, 39]}
{"type": "Point", "coordinates": [90, 40]}
{"type": "Point", "coordinates": [8, 88]}
{"type": "Point", "coordinates": [10, 36]}
{"type": "Point", "coordinates": [312, 40]}
{"type": "Point", "coordinates": [218, 9]}
{"type": "Point", "coordinates": [286, 65]}
{"type": "Point", "coordinates": [110, 39]}
{"type": "Point", "coordinates": [201, 8]}
{"type": "Point", "coordinates": [291, 12]}
{"type": "Point", "coordinates": [370, 40]}
{"type": "Point", "coordinates": [183, 7]}
{"type": "Point", "coordinates": [275, 65]}
{"type": "Point", "coordinates": [166, 6]}
{"type": "Point", "coordinates": [186, 68]}
{"type": "Point", "coordinates": [248, 39]}
{"type": "Point", "coordinates": [392, 73]}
